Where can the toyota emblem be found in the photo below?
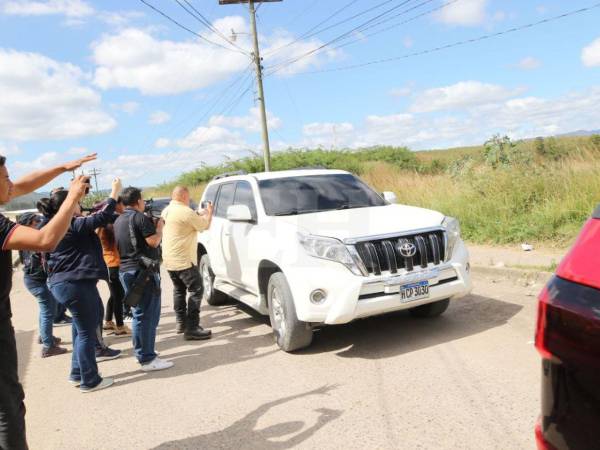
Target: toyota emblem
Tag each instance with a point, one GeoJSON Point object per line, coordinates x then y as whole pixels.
{"type": "Point", "coordinates": [407, 249]}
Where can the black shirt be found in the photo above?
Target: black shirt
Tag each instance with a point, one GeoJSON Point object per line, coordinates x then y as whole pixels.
{"type": "Point", "coordinates": [143, 227]}
{"type": "Point", "coordinates": [6, 229]}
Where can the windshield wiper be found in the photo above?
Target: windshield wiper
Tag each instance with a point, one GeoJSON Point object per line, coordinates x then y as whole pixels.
{"type": "Point", "coordinates": [294, 212]}
{"type": "Point", "coordinates": [349, 206]}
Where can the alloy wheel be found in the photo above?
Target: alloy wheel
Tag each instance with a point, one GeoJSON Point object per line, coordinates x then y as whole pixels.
{"type": "Point", "coordinates": [278, 312]}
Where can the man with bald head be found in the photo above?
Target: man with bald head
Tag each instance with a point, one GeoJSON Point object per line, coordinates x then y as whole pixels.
{"type": "Point", "coordinates": [180, 258]}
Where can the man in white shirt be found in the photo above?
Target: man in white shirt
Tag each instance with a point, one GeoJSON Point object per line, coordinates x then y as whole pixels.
{"type": "Point", "coordinates": [180, 258]}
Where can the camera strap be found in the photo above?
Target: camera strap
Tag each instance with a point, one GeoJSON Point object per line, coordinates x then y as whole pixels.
{"type": "Point", "coordinates": [132, 237]}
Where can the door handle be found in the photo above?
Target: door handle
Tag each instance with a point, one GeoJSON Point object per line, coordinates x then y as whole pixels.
{"type": "Point", "coordinates": [227, 234]}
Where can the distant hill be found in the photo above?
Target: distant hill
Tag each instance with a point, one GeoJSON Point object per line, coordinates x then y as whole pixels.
{"type": "Point", "coordinates": [579, 133]}
{"type": "Point", "coordinates": [24, 202]}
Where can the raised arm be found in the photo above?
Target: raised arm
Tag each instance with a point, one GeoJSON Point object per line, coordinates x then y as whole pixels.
{"type": "Point", "coordinates": [36, 180]}
{"type": "Point", "coordinates": [104, 216]}
{"type": "Point", "coordinates": [46, 239]}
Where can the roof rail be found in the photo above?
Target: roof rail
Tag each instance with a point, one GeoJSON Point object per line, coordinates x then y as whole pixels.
{"type": "Point", "coordinates": [230, 174]}
{"type": "Point", "coordinates": [310, 168]}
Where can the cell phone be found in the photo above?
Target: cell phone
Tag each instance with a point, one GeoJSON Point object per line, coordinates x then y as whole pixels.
{"type": "Point", "coordinates": [87, 180]}
{"type": "Point", "coordinates": [205, 203]}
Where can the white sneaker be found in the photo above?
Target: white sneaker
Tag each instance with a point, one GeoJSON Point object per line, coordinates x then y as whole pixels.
{"type": "Point", "coordinates": [106, 382]}
{"type": "Point", "coordinates": [156, 364]}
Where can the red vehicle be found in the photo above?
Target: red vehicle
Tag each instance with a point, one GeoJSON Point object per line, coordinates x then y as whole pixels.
{"type": "Point", "coordinates": [568, 338]}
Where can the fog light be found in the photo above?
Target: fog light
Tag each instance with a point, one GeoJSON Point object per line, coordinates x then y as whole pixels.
{"type": "Point", "coordinates": [318, 296]}
{"type": "Point", "coordinates": [468, 267]}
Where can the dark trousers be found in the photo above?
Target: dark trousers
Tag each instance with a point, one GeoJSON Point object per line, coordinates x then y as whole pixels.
{"type": "Point", "coordinates": [114, 305]}
{"type": "Point", "coordinates": [146, 316]}
{"type": "Point", "coordinates": [12, 408]}
{"type": "Point", "coordinates": [184, 281]}
{"type": "Point", "coordinates": [83, 301]}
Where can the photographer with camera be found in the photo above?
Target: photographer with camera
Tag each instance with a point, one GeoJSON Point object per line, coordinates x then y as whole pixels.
{"type": "Point", "coordinates": [180, 256]}
{"type": "Point", "coordinates": [15, 237]}
{"type": "Point", "coordinates": [138, 238]}
{"type": "Point", "coordinates": [74, 269]}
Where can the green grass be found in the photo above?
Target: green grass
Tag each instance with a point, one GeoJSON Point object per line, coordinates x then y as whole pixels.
{"type": "Point", "coordinates": [538, 191]}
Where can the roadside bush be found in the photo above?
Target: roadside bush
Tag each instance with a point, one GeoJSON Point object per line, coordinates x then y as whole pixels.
{"type": "Point", "coordinates": [550, 149]}
{"type": "Point", "coordinates": [500, 151]}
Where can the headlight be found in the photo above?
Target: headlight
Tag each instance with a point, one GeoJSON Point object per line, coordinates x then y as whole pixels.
{"type": "Point", "coordinates": [452, 235]}
{"type": "Point", "coordinates": [329, 249]}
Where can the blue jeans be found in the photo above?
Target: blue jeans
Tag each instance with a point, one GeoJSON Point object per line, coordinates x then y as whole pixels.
{"type": "Point", "coordinates": [146, 316]}
{"type": "Point", "coordinates": [82, 299]}
{"type": "Point", "coordinates": [47, 302]}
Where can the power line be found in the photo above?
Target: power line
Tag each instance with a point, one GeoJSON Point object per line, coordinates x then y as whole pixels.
{"type": "Point", "coordinates": [216, 44]}
{"type": "Point", "coordinates": [204, 21]}
{"type": "Point", "coordinates": [283, 64]}
{"type": "Point", "coordinates": [308, 32]}
{"type": "Point", "coordinates": [458, 43]}
{"type": "Point", "coordinates": [404, 22]}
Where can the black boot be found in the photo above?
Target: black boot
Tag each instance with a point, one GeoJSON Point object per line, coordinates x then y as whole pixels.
{"type": "Point", "coordinates": [180, 327]}
{"type": "Point", "coordinates": [196, 333]}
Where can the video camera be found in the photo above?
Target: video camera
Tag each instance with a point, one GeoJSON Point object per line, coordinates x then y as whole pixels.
{"type": "Point", "coordinates": [152, 210]}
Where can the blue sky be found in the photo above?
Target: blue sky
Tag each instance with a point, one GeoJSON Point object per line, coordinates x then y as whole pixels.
{"type": "Point", "coordinates": [115, 77]}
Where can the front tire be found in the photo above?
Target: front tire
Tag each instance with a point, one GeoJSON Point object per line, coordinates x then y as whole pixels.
{"type": "Point", "coordinates": [289, 332]}
{"type": "Point", "coordinates": [434, 309]}
{"type": "Point", "coordinates": [210, 295]}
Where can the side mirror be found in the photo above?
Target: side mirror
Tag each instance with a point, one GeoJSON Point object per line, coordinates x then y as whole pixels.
{"type": "Point", "coordinates": [390, 197]}
{"type": "Point", "coordinates": [239, 213]}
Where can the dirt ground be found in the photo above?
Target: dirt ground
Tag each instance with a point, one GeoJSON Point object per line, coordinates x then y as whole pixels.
{"type": "Point", "coordinates": [466, 380]}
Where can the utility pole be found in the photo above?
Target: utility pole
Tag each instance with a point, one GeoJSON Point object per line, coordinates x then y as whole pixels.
{"type": "Point", "coordinates": [259, 79]}
{"type": "Point", "coordinates": [94, 173]}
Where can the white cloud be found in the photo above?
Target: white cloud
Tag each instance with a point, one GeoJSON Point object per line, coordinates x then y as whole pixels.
{"type": "Point", "coordinates": [159, 117]}
{"type": "Point", "coordinates": [45, 99]}
{"type": "Point", "coordinates": [328, 134]}
{"type": "Point", "coordinates": [43, 161]}
{"type": "Point", "coordinates": [529, 63]}
{"type": "Point", "coordinates": [295, 56]}
{"type": "Point", "coordinates": [138, 59]}
{"type": "Point", "coordinates": [162, 143]}
{"type": "Point", "coordinates": [464, 12]}
{"type": "Point", "coordinates": [127, 107]}
{"type": "Point", "coordinates": [213, 137]}
{"type": "Point", "coordinates": [69, 8]}
{"type": "Point", "coordinates": [521, 117]}
{"type": "Point", "coordinates": [408, 42]}
{"type": "Point", "coordinates": [135, 59]}
{"type": "Point", "coordinates": [9, 149]}
{"type": "Point", "coordinates": [590, 55]}
{"type": "Point", "coordinates": [460, 95]}
{"type": "Point", "coordinates": [250, 122]}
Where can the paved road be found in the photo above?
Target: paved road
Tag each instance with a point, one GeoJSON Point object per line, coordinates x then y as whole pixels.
{"type": "Point", "coordinates": [468, 380]}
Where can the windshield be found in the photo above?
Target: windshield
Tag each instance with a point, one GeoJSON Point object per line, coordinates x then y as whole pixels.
{"type": "Point", "coordinates": [315, 193]}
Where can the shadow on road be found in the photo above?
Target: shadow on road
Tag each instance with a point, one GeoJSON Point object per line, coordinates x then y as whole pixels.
{"type": "Point", "coordinates": [243, 433]}
{"type": "Point", "coordinates": [398, 333]}
{"type": "Point", "coordinates": [373, 338]}
{"type": "Point", "coordinates": [234, 344]}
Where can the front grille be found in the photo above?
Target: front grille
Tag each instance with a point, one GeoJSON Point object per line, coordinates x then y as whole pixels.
{"type": "Point", "coordinates": [383, 255]}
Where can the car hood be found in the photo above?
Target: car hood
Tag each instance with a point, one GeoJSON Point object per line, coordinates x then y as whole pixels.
{"type": "Point", "coordinates": [362, 222]}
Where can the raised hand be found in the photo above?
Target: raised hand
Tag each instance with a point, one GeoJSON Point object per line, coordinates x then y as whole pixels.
{"type": "Point", "coordinates": [117, 186]}
{"type": "Point", "coordinates": [79, 186]}
{"type": "Point", "coordinates": [72, 165]}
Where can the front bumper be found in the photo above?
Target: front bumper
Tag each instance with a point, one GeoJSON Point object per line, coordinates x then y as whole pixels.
{"type": "Point", "coordinates": [352, 297]}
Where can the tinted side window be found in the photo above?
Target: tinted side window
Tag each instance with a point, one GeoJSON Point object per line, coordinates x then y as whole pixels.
{"type": "Point", "coordinates": [211, 193]}
{"type": "Point", "coordinates": [244, 196]}
{"type": "Point", "coordinates": [225, 199]}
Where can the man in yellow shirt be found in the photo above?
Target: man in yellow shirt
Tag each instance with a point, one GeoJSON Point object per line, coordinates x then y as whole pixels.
{"type": "Point", "coordinates": [180, 258]}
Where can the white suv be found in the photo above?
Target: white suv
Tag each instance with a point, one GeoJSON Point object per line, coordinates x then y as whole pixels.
{"type": "Point", "coordinates": [316, 247]}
